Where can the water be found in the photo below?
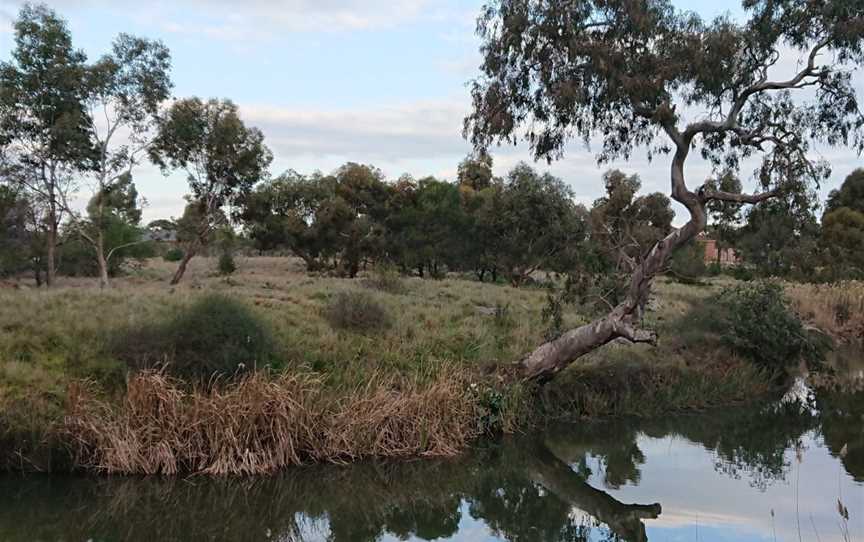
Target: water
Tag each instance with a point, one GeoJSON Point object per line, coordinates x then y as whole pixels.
{"type": "Point", "coordinates": [743, 475]}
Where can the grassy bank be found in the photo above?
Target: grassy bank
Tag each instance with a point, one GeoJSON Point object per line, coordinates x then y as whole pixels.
{"type": "Point", "coordinates": [415, 375]}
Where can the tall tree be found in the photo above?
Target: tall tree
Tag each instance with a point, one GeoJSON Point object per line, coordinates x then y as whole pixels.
{"type": "Point", "coordinates": [779, 237]}
{"type": "Point", "coordinates": [621, 69]}
{"type": "Point", "coordinates": [842, 235]}
{"type": "Point", "coordinates": [536, 223]}
{"type": "Point", "coordinates": [125, 90]}
{"type": "Point", "coordinates": [222, 158]}
{"type": "Point", "coordinates": [44, 125]}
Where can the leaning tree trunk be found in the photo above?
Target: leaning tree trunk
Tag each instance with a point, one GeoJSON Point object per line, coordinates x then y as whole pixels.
{"type": "Point", "coordinates": [188, 254]}
{"type": "Point", "coordinates": [553, 356]}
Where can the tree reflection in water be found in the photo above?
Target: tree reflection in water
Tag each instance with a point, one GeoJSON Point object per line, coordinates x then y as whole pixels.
{"type": "Point", "coordinates": [522, 489]}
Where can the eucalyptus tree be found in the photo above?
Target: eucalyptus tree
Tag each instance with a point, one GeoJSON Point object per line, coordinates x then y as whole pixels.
{"type": "Point", "coordinates": [125, 89]}
{"type": "Point", "coordinates": [44, 127]}
{"type": "Point", "coordinates": [643, 75]}
{"type": "Point", "coordinates": [222, 158]}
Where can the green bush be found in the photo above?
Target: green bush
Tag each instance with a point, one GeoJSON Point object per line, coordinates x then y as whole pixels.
{"type": "Point", "coordinates": [741, 272]}
{"type": "Point", "coordinates": [226, 265]}
{"type": "Point", "coordinates": [357, 311]}
{"type": "Point", "coordinates": [757, 323]}
{"type": "Point", "coordinates": [216, 335]}
{"type": "Point", "coordinates": [173, 255]}
{"type": "Point", "coordinates": [687, 264]}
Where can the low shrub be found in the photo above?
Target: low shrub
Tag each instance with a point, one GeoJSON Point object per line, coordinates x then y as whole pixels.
{"type": "Point", "coordinates": [357, 311]}
{"type": "Point", "coordinates": [173, 255]}
{"type": "Point", "coordinates": [226, 265]}
{"type": "Point", "coordinates": [387, 279]}
{"type": "Point", "coordinates": [214, 336]}
{"type": "Point", "coordinates": [743, 273]}
{"type": "Point", "coordinates": [757, 322]}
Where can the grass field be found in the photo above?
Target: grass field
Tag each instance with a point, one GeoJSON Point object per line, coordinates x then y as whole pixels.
{"type": "Point", "coordinates": [438, 331]}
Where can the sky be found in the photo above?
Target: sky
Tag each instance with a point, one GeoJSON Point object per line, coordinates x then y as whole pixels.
{"type": "Point", "coordinates": [381, 82]}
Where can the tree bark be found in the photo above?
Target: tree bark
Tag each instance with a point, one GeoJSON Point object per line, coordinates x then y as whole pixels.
{"type": "Point", "coordinates": [50, 250]}
{"type": "Point", "coordinates": [188, 254]}
{"type": "Point", "coordinates": [100, 259]}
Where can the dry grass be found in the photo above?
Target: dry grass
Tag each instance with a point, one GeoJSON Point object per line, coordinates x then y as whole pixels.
{"type": "Point", "coordinates": [836, 309]}
{"type": "Point", "coordinates": [260, 425]}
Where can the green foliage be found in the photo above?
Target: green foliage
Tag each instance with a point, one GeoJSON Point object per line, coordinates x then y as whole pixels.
{"type": "Point", "coordinates": [16, 238]}
{"type": "Point", "coordinates": [357, 311]}
{"type": "Point", "coordinates": [842, 239]}
{"type": "Point", "coordinates": [534, 224]}
{"type": "Point", "coordinates": [842, 235]}
{"type": "Point", "coordinates": [757, 322]}
{"type": "Point", "coordinates": [623, 226]}
{"type": "Point", "coordinates": [215, 335]}
{"type": "Point", "coordinates": [173, 255]}
{"type": "Point", "coordinates": [688, 262]}
{"type": "Point", "coordinates": [725, 216]}
{"type": "Point", "coordinates": [779, 237]}
{"type": "Point", "coordinates": [327, 220]}
{"type": "Point", "coordinates": [849, 195]}
{"type": "Point", "coordinates": [226, 265]}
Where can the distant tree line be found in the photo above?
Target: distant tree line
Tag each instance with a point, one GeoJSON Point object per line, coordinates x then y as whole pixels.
{"type": "Point", "coordinates": [61, 125]}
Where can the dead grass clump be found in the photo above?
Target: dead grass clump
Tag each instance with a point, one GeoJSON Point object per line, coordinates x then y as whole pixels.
{"type": "Point", "coordinates": [260, 425]}
{"type": "Point", "coordinates": [386, 279]}
{"type": "Point", "coordinates": [390, 420]}
{"type": "Point", "coordinates": [836, 309]}
{"type": "Point", "coordinates": [357, 311]}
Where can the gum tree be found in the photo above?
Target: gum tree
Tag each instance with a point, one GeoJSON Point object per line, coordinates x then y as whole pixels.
{"type": "Point", "coordinates": [641, 75]}
{"type": "Point", "coordinates": [125, 90]}
{"type": "Point", "coordinates": [222, 158]}
{"type": "Point", "coordinates": [45, 132]}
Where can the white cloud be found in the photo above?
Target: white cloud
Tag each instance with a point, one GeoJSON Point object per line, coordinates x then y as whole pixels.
{"type": "Point", "coordinates": [235, 20]}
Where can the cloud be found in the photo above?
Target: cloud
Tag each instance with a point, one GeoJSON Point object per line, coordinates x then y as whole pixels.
{"type": "Point", "coordinates": [410, 131]}
{"type": "Point", "coordinates": [256, 19]}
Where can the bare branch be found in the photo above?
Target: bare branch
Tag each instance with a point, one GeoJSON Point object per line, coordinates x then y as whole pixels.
{"type": "Point", "coordinates": [709, 195]}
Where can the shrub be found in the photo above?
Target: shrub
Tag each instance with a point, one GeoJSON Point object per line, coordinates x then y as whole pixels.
{"type": "Point", "coordinates": [688, 263]}
{"type": "Point", "coordinates": [357, 311]}
{"type": "Point", "coordinates": [216, 335]}
{"type": "Point", "coordinates": [173, 255]}
{"type": "Point", "coordinates": [385, 278]}
{"type": "Point", "coordinates": [758, 323]}
{"type": "Point", "coordinates": [741, 272]}
{"type": "Point", "coordinates": [226, 265]}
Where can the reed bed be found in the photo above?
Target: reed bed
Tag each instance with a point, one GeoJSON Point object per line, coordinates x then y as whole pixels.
{"type": "Point", "coordinates": [262, 424]}
{"type": "Point", "coordinates": [836, 309]}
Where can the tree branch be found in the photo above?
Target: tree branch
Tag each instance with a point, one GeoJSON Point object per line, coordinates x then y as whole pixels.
{"type": "Point", "coordinates": [709, 195]}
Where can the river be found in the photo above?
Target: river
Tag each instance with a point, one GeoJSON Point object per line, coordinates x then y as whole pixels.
{"type": "Point", "coordinates": [746, 474]}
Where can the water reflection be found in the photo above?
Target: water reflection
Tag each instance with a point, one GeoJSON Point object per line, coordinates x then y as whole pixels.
{"type": "Point", "coordinates": [573, 483]}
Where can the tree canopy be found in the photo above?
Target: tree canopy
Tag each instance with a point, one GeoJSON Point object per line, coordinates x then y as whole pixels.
{"type": "Point", "coordinates": [633, 73]}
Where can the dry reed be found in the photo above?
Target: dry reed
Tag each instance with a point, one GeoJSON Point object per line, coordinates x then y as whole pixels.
{"type": "Point", "coordinates": [260, 425]}
{"type": "Point", "coordinates": [836, 309]}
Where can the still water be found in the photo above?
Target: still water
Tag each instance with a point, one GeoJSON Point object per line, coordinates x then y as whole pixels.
{"type": "Point", "coordinates": [746, 475]}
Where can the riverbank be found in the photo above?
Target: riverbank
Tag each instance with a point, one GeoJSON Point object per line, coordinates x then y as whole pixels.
{"type": "Point", "coordinates": [340, 370]}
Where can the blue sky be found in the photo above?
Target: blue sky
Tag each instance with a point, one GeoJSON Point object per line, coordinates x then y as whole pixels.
{"type": "Point", "coordinates": [328, 81]}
